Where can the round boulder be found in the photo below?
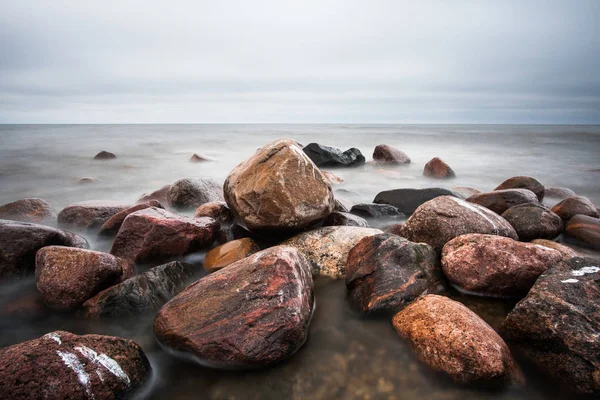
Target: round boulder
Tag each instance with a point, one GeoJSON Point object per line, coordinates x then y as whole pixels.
{"type": "Point", "coordinates": [228, 253]}
{"type": "Point", "coordinates": [159, 195]}
{"type": "Point", "coordinates": [574, 205]}
{"type": "Point", "coordinates": [437, 168]}
{"type": "Point", "coordinates": [29, 210]}
{"type": "Point", "coordinates": [192, 193]}
{"type": "Point", "coordinates": [533, 221]}
{"type": "Point", "coordinates": [501, 200]}
{"type": "Point", "coordinates": [389, 155]}
{"type": "Point", "coordinates": [585, 230]}
{"type": "Point", "coordinates": [524, 182]}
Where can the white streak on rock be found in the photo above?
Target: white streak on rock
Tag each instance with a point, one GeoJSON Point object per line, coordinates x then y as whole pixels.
{"type": "Point", "coordinates": [476, 210]}
{"type": "Point", "coordinates": [570, 281]}
{"type": "Point", "coordinates": [73, 363]}
{"type": "Point", "coordinates": [54, 337]}
{"type": "Point", "coordinates": [111, 365]}
{"type": "Point", "coordinates": [585, 270]}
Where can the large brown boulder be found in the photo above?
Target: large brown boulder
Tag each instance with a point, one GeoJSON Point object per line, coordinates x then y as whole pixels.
{"type": "Point", "coordinates": [495, 266]}
{"type": "Point", "coordinates": [61, 365]}
{"type": "Point", "coordinates": [112, 226]}
{"type": "Point", "coordinates": [437, 168]}
{"type": "Point", "coordinates": [533, 221]}
{"type": "Point", "coordinates": [389, 155]}
{"type": "Point", "coordinates": [327, 248]}
{"type": "Point", "coordinates": [575, 205]}
{"type": "Point", "coordinates": [188, 194]}
{"type": "Point", "coordinates": [140, 294]}
{"type": "Point", "coordinates": [278, 188]}
{"type": "Point", "coordinates": [386, 272]}
{"type": "Point", "coordinates": [440, 220]}
{"type": "Point", "coordinates": [153, 234]}
{"type": "Point", "coordinates": [88, 216]}
{"type": "Point", "coordinates": [585, 230]}
{"type": "Point", "coordinates": [228, 253]}
{"type": "Point", "coordinates": [501, 200]}
{"type": "Point", "coordinates": [67, 276]}
{"type": "Point", "coordinates": [524, 182]}
{"type": "Point", "coordinates": [19, 241]}
{"type": "Point", "coordinates": [558, 324]}
{"type": "Point", "coordinates": [251, 314]}
{"type": "Point", "coordinates": [29, 210]}
{"type": "Point", "coordinates": [452, 339]}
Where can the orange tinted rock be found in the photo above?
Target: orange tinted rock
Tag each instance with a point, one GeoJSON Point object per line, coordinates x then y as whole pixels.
{"type": "Point", "coordinates": [452, 339]}
{"type": "Point", "coordinates": [585, 230]}
{"type": "Point", "coordinates": [574, 205]}
{"type": "Point", "coordinates": [228, 253]}
{"type": "Point", "coordinates": [524, 182]}
{"type": "Point", "coordinates": [29, 210]}
{"type": "Point", "coordinates": [437, 168]}
{"type": "Point", "coordinates": [113, 224]}
{"type": "Point", "coordinates": [216, 209]}
{"type": "Point", "coordinates": [389, 155]}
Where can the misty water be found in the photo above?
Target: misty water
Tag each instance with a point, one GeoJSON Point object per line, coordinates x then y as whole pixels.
{"type": "Point", "coordinates": [347, 355]}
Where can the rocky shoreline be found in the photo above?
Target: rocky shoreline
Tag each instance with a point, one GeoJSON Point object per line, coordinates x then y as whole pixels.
{"type": "Point", "coordinates": [272, 231]}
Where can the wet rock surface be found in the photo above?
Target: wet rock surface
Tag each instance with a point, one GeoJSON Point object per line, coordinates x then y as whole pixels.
{"type": "Point", "coordinates": [372, 210]}
{"type": "Point", "coordinates": [533, 221]}
{"type": "Point", "coordinates": [408, 200]}
{"type": "Point", "coordinates": [337, 218]}
{"type": "Point", "coordinates": [279, 188]}
{"type": "Point", "coordinates": [585, 230]}
{"type": "Point", "coordinates": [228, 253]}
{"type": "Point", "coordinates": [159, 195]}
{"type": "Point", "coordinates": [192, 193]}
{"type": "Point", "coordinates": [501, 200]}
{"type": "Point", "coordinates": [557, 325]}
{"type": "Point", "coordinates": [61, 365]}
{"type": "Point", "coordinates": [440, 220]}
{"type": "Point", "coordinates": [333, 178]}
{"type": "Point", "coordinates": [524, 182]}
{"type": "Point", "coordinates": [67, 276]}
{"type": "Point", "coordinates": [88, 216]}
{"type": "Point", "coordinates": [37, 211]}
{"type": "Point", "coordinates": [251, 314]}
{"type": "Point", "coordinates": [112, 226]}
{"type": "Point", "coordinates": [327, 248]}
{"type": "Point", "coordinates": [559, 193]}
{"type": "Point", "coordinates": [386, 272]}
{"type": "Point", "coordinates": [437, 168]}
{"type": "Point", "coordinates": [105, 155]}
{"type": "Point", "coordinates": [574, 205]}
{"type": "Point", "coordinates": [450, 338]}
{"type": "Point", "coordinates": [217, 210]}
{"type": "Point", "coordinates": [153, 234]}
{"type": "Point", "coordinates": [566, 251]}
{"type": "Point", "coordinates": [386, 154]}
{"type": "Point", "coordinates": [142, 293]}
{"type": "Point", "coordinates": [492, 265]}
{"type": "Point", "coordinates": [464, 192]}
{"type": "Point", "coordinates": [325, 156]}
{"type": "Point", "coordinates": [19, 242]}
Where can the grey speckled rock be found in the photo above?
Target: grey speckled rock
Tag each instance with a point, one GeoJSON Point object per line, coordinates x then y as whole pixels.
{"type": "Point", "coordinates": [533, 221]}
{"type": "Point", "coordinates": [192, 193]}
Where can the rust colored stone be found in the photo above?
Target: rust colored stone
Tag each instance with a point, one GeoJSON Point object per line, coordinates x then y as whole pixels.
{"type": "Point", "coordinates": [389, 155]}
{"type": "Point", "coordinates": [585, 230]}
{"type": "Point", "coordinates": [574, 205]}
{"type": "Point", "coordinates": [37, 211]}
{"type": "Point", "coordinates": [437, 168]}
{"type": "Point", "coordinates": [450, 338]}
{"type": "Point", "coordinates": [112, 226]}
{"type": "Point", "coordinates": [88, 216]}
{"type": "Point", "coordinates": [216, 209]}
{"type": "Point", "coordinates": [524, 182]}
{"type": "Point", "coordinates": [501, 200]}
{"type": "Point", "coordinates": [228, 253]}
{"type": "Point", "coordinates": [533, 221]}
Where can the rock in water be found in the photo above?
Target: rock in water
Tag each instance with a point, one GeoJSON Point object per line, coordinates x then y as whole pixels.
{"type": "Point", "coordinates": [386, 272]}
{"type": "Point", "coordinates": [558, 324]}
{"type": "Point", "coordinates": [338, 218]}
{"type": "Point", "coordinates": [452, 339]}
{"type": "Point", "coordinates": [371, 210]}
{"type": "Point", "coordinates": [327, 248]}
{"type": "Point", "coordinates": [112, 226]}
{"type": "Point", "coordinates": [585, 230]}
{"type": "Point", "coordinates": [195, 158]}
{"type": "Point", "coordinates": [464, 192]}
{"type": "Point", "coordinates": [61, 365]}
{"type": "Point", "coordinates": [192, 193]}
{"type": "Point", "coordinates": [559, 193]}
{"type": "Point", "coordinates": [140, 294]}
{"type": "Point", "coordinates": [66, 276]}
{"type": "Point", "coordinates": [572, 206]}
{"type": "Point", "coordinates": [37, 211]}
{"type": "Point", "coordinates": [88, 216]}
{"type": "Point", "coordinates": [440, 220]}
{"type": "Point", "coordinates": [524, 182]}
{"type": "Point", "coordinates": [333, 178]}
{"type": "Point", "coordinates": [533, 221]}
{"type": "Point", "coordinates": [389, 155]}
{"type": "Point", "coordinates": [251, 314]}
{"type": "Point", "coordinates": [19, 241]}
{"type": "Point", "coordinates": [325, 156]}
{"type": "Point", "coordinates": [279, 188]}
{"type": "Point", "coordinates": [437, 168]}
{"type": "Point", "coordinates": [159, 195]}
{"type": "Point", "coordinates": [152, 234]}
{"type": "Point", "coordinates": [408, 200]}
{"type": "Point", "coordinates": [495, 266]}
{"type": "Point", "coordinates": [104, 155]}
{"type": "Point", "coordinates": [228, 253]}
{"type": "Point", "coordinates": [216, 209]}
{"type": "Point", "coordinates": [501, 200]}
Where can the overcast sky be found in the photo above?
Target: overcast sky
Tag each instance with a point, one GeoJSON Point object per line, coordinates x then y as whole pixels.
{"type": "Point", "coordinates": [367, 61]}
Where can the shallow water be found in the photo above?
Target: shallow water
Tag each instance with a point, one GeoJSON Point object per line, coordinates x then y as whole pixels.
{"type": "Point", "coordinates": [346, 356]}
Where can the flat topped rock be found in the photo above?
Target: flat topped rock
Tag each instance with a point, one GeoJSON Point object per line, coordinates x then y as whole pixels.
{"type": "Point", "coordinates": [524, 182]}
{"type": "Point", "coordinates": [29, 210]}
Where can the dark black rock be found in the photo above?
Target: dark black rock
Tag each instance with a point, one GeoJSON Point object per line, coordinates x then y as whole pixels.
{"type": "Point", "coordinates": [370, 210]}
{"type": "Point", "coordinates": [337, 218]}
{"type": "Point", "coordinates": [408, 200]}
{"type": "Point", "coordinates": [324, 156]}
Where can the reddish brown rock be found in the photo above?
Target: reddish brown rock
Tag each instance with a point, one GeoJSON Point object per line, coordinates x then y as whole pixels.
{"type": "Point", "coordinates": [501, 200]}
{"type": "Point", "coordinates": [386, 272]}
{"type": "Point", "coordinates": [105, 155]}
{"type": "Point", "coordinates": [327, 248]}
{"type": "Point", "coordinates": [333, 178]}
{"type": "Point", "coordinates": [112, 226]}
{"type": "Point", "coordinates": [23, 305]}
{"type": "Point", "coordinates": [228, 253]}
{"type": "Point", "coordinates": [585, 230]}
{"type": "Point", "coordinates": [524, 182]}
{"type": "Point", "coordinates": [142, 293]}
{"type": "Point", "coordinates": [389, 155]}
{"type": "Point", "coordinates": [533, 221]}
{"type": "Point", "coordinates": [29, 210]}
{"type": "Point", "coordinates": [153, 234]}
{"type": "Point", "coordinates": [159, 195]}
{"type": "Point", "coordinates": [192, 193]}
{"type": "Point", "coordinates": [61, 365]}
{"type": "Point", "coordinates": [566, 251]}
{"type": "Point", "coordinates": [19, 241]}
{"type": "Point", "coordinates": [450, 338]}
{"type": "Point", "coordinates": [337, 218]}
{"type": "Point", "coordinates": [279, 188]}
{"type": "Point", "coordinates": [251, 314]}
{"type": "Point", "coordinates": [395, 229]}
{"type": "Point", "coordinates": [558, 324]}
{"type": "Point", "coordinates": [438, 221]}
{"type": "Point", "coordinates": [217, 210]}
{"type": "Point", "coordinates": [66, 277]}
{"type": "Point", "coordinates": [88, 216]}
{"type": "Point", "coordinates": [574, 205]}
{"type": "Point", "coordinates": [437, 168]}
{"type": "Point", "coordinates": [495, 266]}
